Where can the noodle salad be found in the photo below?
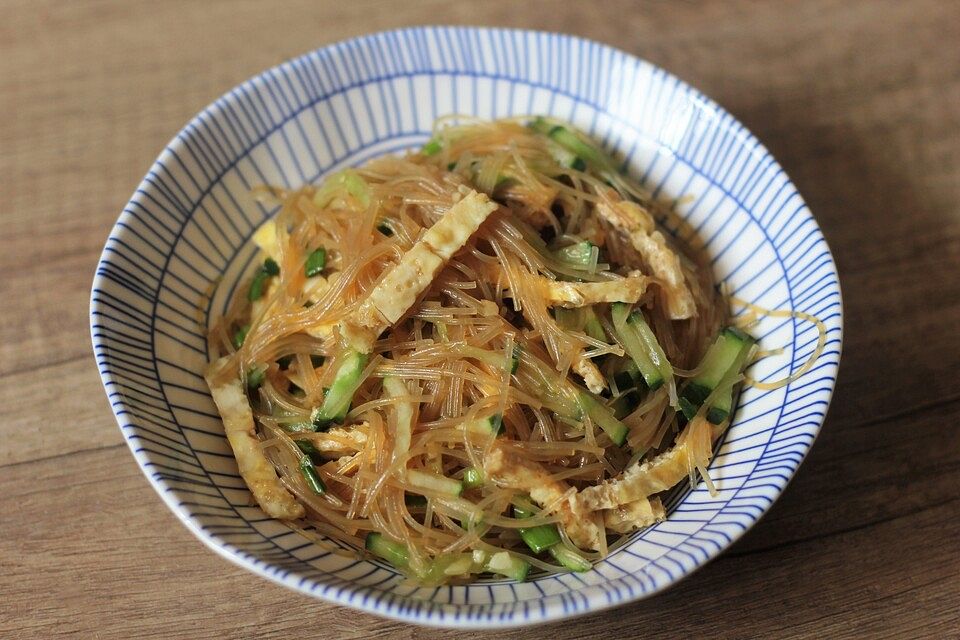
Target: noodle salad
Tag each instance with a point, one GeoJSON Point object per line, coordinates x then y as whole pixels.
{"type": "Point", "coordinates": [479, 358]}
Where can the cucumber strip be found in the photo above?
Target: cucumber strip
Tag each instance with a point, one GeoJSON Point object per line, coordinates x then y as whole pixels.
{"type": "Point", "coordinates": [492, 425]}
{"type": "Point", "coordinates": [570, 558]}
{"type": "Point", "coordinates": [540, 538]}
{"type": "Point", "coordinates": [347, 181]}
{"type": "Point", "coordinates": [472, 478]}
{"type": "Point", "coordinates": [492, 358]}
{"type": "Point", "coordinates": [635, 346]}
{"type": "Point", "coordinates": [445, 565]}
{"type": "Point", "coordinates": [628, 376]}
{"type": "Point", "coordinates": [568, 319]}
{"type": "Point", "coordinates": [725, 357]}
{"type": "Point", "coordinates": [394, 388]}
{"type": "Point", "coordinates": [580, 254]}
{"type": "Point", "coordinates": [434, 482]}
{"type": "Point", "coordinates": [571, 142]}
{"type": "Point", "coordinates": [515, 360]}
{"type": "Point", "coordinates": [393, 552]}
{"type": "Point", "coordinates": [657, 356]}
{"type": "Point", "coordinates": [625, 404]}
{"type": "Point", "coordinates": [580, 319]}
{"type": "Point", "coordinates": [336, 402]}
{"type": "Point", "coordinates": [592, 326]}
{"type": "Point", "coordinates": [603, 418]}
{"type": "Point", "coordinates": [509, 565]}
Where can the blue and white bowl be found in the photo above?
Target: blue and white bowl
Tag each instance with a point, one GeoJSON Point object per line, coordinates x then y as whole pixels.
{"type": "Point", "coordinates": [179, 248]}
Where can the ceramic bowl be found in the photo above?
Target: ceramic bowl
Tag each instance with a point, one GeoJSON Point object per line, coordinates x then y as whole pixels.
{"type": "Point", "coordinates": [180, 247]}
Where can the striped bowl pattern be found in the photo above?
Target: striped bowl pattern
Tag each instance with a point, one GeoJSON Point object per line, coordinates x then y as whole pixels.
{"type": "Point", "coordinates": [180, 247]}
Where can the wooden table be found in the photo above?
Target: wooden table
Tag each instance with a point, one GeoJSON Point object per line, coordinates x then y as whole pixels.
{"type": "Point", "coordinates": [859, 101]}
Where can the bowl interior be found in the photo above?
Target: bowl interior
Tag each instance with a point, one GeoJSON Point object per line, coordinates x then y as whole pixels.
{"type": "Point", "coordinates": [181, 246]}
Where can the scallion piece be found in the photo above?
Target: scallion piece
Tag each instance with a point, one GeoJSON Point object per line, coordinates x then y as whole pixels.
{"type": "Point", "coordinates": [240, 336]}
{"type": "Point", "coordinates": [472, 478]}
{"type": "Point", "coordinates": [255, 377]}
{"type": "Point", "coordinates": [570, 558]}
{"type": "Point", "coordinates": [432, 147]}
{"type": "Point", "coordinates": [539, 538]}
{"type": "Point", "coordinates": [316, 261]}
{"type": "Point", "coordinates": [269, 269]}
{"type": "Point", "coordinates": [257, 285]}
{"type": "Point", "coordinates": [579, 254]}
{"type": "Point", "coordinates": [310, 475]}
{"type": "Point", "coordinates": [307, 447]}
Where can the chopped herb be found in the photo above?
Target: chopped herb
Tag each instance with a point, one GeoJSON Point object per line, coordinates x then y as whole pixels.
{"type": "Point", "coordinates": [257, 285]}
{"type": "Point", "coordinates": [240, 336]}
{"type": "Point", "coordinates": [255, 377]}
{"type": "Point", "coordinates": [307, 447]}
{"type": "Point", "coordinates": [316, 261]}
{"type": "Point", "coordinates": [432, 147]}
{"type": "Point", "coordinates": [311, 476]}
{"type": "Point", "coordinates": [472, 478]}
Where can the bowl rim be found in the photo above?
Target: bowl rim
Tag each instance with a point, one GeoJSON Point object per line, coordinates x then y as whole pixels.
{"type": "Point", "coordinates": [290, 579]}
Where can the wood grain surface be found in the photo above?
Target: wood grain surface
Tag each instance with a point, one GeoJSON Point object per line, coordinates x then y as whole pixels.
{"type": "Point", "coordinates": [860, 102]}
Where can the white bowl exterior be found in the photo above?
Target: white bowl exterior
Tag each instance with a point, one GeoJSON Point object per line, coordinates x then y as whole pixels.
{"type": "Point", "coordinates": [180, 247]}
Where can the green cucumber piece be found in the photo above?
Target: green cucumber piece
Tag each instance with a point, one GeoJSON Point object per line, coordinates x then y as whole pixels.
{"type": "Point", "coordinates": [570, 558]}
{"type": "Point", "coordinates": [625, 404]}
{"type": "Point", "coordinates": [578, 254]}
{"type": "Point", "coordinates": [434, 482]}
{"type": "Point", "coordinates": [492, 425]}
{"type": "Point", "coordinates": [724, 357]}
{"type": "Point", "coordinates": [393, 552]}
{"type": "Point", "coordinates": [628, 331]}
{"type": "Point", "coordinates": [336, 402]}
{"type": "Point", "coordinates": [509, 565]}
{"type": "Point", "coordinates": [603, 418]}
{"type": "Point", "coordinates": [592, 326]}
{"type": "Point", "coordinates": [539, 538]}
{"type": "Point", "coordinates": [570, 141]}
